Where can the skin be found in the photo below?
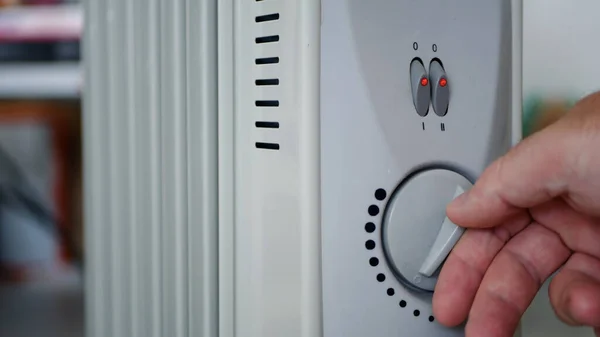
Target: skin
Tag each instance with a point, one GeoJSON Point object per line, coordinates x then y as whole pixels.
{"type": "Point", "coordinates": [533, 213]}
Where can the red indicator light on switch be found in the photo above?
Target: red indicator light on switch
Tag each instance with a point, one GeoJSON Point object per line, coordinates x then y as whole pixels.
{"type": "Point", "coordinates": [424, 82]}
{"type": "Point", "coordinates": [443, 82]}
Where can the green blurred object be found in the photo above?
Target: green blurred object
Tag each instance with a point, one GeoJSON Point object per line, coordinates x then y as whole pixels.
{"type": "Point", "coordinates": [535, 107]}
{"type": "Point", "coordinates": [530, 112]}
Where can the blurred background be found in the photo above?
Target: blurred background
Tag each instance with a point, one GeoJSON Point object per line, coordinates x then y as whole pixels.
{"type": "Point", "coordinates": [41, 290]}
{"type": "Point", "coordinates": [40, 168]}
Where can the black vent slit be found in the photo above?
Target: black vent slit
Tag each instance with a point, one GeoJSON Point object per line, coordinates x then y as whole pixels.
{"type": "Point", "coordinates": [267, 103]}
{"type": "Point", "coordinates": [267, 146]}
{"type": "Point", "coordinates": [267, 17]}
{"type": "Point", "coordinates": [267, 81]}
{"type": "Point", "coordinates": [267, 125]}
{"type": "Point", "coordinates": [266, 60]}
{"type": "Point", "coordinates": [267, 39]}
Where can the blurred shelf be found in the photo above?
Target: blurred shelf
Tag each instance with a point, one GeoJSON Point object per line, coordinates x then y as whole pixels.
{"type": "Point", "coordinates": [40, 81]}
{"type": "Point", "coordinates": [41, 23]}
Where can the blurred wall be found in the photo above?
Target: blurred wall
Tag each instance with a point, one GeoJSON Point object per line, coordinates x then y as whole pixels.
{"type": "Point", "coordinates": [561, 47]}
{"type": "Point", "coordinates": [560, 53]}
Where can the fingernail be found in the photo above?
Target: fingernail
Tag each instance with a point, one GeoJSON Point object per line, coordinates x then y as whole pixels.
{"type": "Point", "coordinates": [459, 201]}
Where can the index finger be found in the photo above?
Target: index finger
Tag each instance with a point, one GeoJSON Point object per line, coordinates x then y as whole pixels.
{"type": "Point", "coordinates": [533, 172]}
{"type": "Point", "coordinates": [513, 279]}
{"type": "Point", "coordinates": [463, 271]}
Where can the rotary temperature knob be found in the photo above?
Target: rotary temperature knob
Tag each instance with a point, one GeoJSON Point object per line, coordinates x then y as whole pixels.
{"type": "Point", "coordinates": [417, 235]}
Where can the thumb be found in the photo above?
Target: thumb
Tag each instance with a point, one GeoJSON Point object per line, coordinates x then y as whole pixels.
{"type": "Point", "coordinates": [534, 171]}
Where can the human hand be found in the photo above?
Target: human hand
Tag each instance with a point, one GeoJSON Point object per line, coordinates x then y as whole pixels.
{"type": "Point", "coordinates": [533, 212]}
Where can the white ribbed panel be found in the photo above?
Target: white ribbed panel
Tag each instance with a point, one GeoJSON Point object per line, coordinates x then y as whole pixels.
{"type": "Point", "coordinates": [150, 122]}
{"type": "Point", "coordinates": [270, 212]}
{"type": "Point", "coordinates": [201, 31]}
{"type": "Point", "coordinates": [226, 153]}
{"type": "Point", "coordinates": [174, 166]}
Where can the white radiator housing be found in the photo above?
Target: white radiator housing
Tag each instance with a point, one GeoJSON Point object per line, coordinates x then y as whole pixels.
{"type": "Point", "coordinates": [175, 248]}
{"type": "Point", "coordinates": [203, 132]}
{"type": "Point", "coordinates": [151, 198]}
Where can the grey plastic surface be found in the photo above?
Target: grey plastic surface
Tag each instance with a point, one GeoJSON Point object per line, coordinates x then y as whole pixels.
{"type": "Point", "coordinates": [372, 138]}
{"type": "Point", "coordinates": [413, 218]}
{"type": "Point", "coordinates": [421, 94]}
{"type": "Point", "coordinates": [445, 241]}
{"type": "Point", "coordinates": [440, 94]}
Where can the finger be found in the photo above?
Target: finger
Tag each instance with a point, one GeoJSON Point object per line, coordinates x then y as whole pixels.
{"type": "Point", "coordinates": [464, 269]}
{"type": "Point", "coordinates": [579, 232]}
{"type": "Point", "coordinates": [552, 162]}
{"type": "Point", "coordinates": [534, 171]}
{"type": "Point", "coordinates": [512, 281]}
{"type": "Point", "coordinates": [575, 291]}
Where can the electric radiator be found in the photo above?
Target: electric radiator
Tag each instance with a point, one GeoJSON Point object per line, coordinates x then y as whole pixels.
{"type": "Point", "coordinates": [204, 158]}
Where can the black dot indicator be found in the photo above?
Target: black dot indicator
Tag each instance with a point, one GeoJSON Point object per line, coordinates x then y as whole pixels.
{"type": "Point", "coordinates": [373, 210]}
{"type": "Point", "coordinates": [380, 194]}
